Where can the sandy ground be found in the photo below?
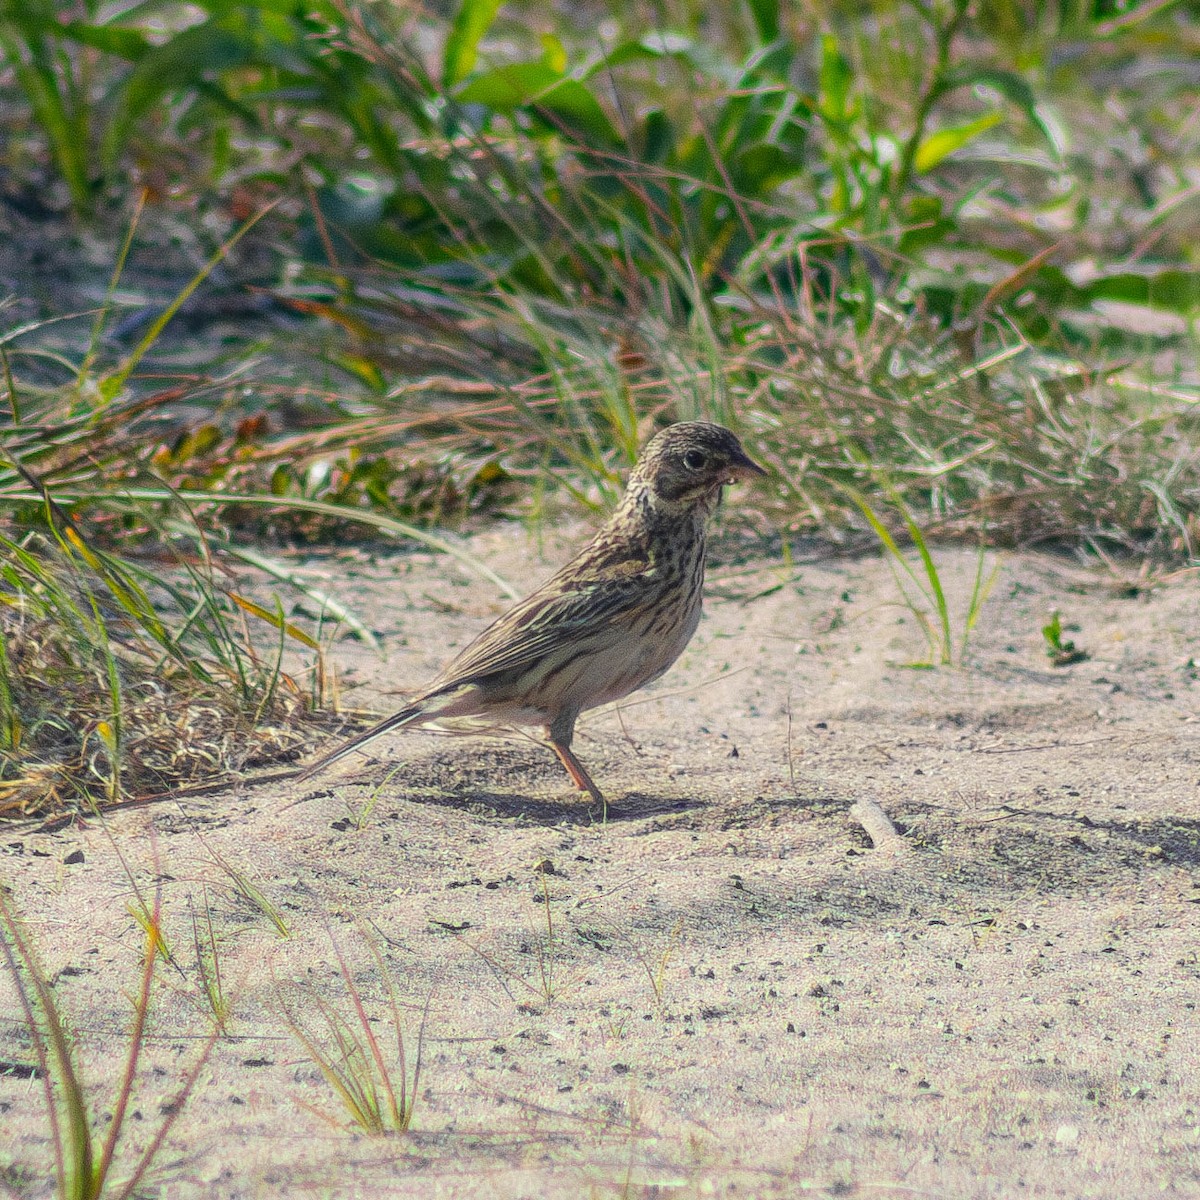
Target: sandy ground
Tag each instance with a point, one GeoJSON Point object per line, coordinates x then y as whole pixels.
{"type": "Point", "coordinates": [726, 990]}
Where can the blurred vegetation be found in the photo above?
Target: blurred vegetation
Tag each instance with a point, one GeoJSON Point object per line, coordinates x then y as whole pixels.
{"type": "Point", "coordinates": [937, 254]}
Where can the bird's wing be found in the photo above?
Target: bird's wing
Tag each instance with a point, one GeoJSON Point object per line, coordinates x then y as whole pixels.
{"type": "Point", "coordinates": [587, 600]}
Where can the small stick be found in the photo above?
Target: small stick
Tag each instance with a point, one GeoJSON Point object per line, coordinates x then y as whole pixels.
{"type": "Point", "coordinates": [877, 823]}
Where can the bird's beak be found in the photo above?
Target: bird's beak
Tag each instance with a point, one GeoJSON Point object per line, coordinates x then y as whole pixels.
{"type": "Point", "coordinates": [744, 467]}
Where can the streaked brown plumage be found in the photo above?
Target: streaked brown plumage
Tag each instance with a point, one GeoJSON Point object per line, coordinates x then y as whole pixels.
{"type": "Point", "coordinates": [610, 621]}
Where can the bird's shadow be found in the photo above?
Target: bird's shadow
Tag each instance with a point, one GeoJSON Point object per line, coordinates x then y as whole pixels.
{"type": "Point", "coordinates": [518, 806]}
{"type": "Point", "coordinates": [450, 780]}
{"type": "Point", "coordinates": [570, 810]}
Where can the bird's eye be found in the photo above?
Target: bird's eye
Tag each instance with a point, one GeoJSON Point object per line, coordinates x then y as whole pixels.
{"type": "Point", "coordinates": [694, 460]}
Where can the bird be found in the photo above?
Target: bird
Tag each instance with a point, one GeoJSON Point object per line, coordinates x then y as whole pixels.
{"type": "Point", "coordinates": [610, 621]}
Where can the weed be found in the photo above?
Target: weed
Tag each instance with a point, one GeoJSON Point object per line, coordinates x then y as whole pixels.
{"type": "Point", "coordinates": [166, 677]}
{"type": "Point", "coordinates": [251, 893]}
{"type": "Point", "coordinates": [360, 817]}
{"type": "Point", "coordinates": [83, 1162]}
{"type": "Point", "coordinates": [925, 596]}
{"type": "Point", "coordinates": [380, 1096]}
{"type": "Point", "coordinates": [158, 682]}
{"type": "Point", "coordinates": [1061, 652]}
{"type": "Point", "coordinates": [208, 964]}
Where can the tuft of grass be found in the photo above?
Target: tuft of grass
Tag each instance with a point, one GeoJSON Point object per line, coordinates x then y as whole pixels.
{"type": "Point", "coordinates": [118, 682]}
{"type": "Point", "coordinates": [830, 272]}
{"type": "Point", "coordinates": [378, 1093]}
{"type": "Point", "coordinates": [361, 817]}
{"type": "Point", "coordinates": [923, 595]}
{"type": "Point", "coordinates": [83, 1161]}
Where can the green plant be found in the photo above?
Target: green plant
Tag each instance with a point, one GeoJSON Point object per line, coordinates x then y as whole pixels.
{"type": "Point", "coordinates": [923, 595]}
{"type": "Point", "coordinates": [249, 891]}
{"type": "Point", "coordinates": [380, 1096]}
{"type": "Point", "coordinates": [57, 86]}
{"type": "Point", "coordinates": [1061, 652]}
{"type": "Point", "coordinates": [84, 1162]}
{"type": "Point", "coordinates": [82, 621]}
{"type": "Point", "coordinates": [360, 817]}
{"type": "Point", "coordinates": [134, 654]}
{"type": "Point", "coordinates": [778, 225]}
{"type": "Point", "coordinates": [772, 268]}
{"type": "Point", "coordinates": [99, 83]}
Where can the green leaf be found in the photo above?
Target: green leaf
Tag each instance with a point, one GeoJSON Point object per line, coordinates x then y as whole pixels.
{"type": "Point", "coordinates": [196, 443]}
{"type": "Point", "coordinates": [536, 85]}
{"type": "Point", "coordinates": [762, 168]}
{"type": "Point", "coordinates": [362, 369]}
{"type": "Point", "coordinates": [658, 137]}
{"type": "Point", "coordinates": [927, 224]}
{"type": "Point", "coordinates": [554, 53]}
{"type": "Point", "coordinates": [1011, 86]}
{"type": "Point", "coordinates": [652, 48]}
{"type": "Point", "coordinates": [835, 79]}
{"type": "Point", "coordinates": [1171, 289]}
{"type": "Point", "coordinates": [474, 19]}
{"type": "Point", "coordinates": [626, 52]}
{"type": "Point", "coordinates": [945, 142]}
{"type": "Point", "coordinates": [187, 60]}
{"type": "Point", "coordinates": [507, 88]}
{"type": "Point", "coordinates": [766, 18]}
{"type": "Point", "coordinates": [112, 39]}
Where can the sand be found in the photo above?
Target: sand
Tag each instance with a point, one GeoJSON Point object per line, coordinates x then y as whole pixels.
{"type": "Point", "coordinates": [729, 988]}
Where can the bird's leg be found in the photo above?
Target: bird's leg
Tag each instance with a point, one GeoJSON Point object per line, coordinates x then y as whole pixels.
{"type": "Point", "coordinates": [577, 772]}
{"type": "Point", "coordinates": [561, 732]}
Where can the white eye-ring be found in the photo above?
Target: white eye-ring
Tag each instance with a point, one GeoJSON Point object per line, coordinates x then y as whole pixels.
{"type": "Point", "coordinates": [694, 460]}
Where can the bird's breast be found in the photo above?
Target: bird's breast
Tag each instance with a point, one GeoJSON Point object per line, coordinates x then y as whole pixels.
{"type": "Point", "coordinates": [657, 631]}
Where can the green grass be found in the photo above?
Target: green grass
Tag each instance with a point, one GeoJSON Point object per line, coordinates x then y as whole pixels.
{"type": "Point", "coordinates": [207, 948]}
{"type": "Point", "coordinates": [1062, 652]}
{"type": "Point", "coordinates": [118, 681]}
{"type": "Point", "coordinates": [85, 1161]}
{"type": "Point", "coordinates": [378, 1090]}
{"type": "Point", "coordinates": [922, 592]}
{"type": "Point", "coordinates": [518, 251]}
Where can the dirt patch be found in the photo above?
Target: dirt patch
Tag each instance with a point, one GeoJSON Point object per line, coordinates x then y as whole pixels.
{"type": "Point", "coordinates": [724, 989]}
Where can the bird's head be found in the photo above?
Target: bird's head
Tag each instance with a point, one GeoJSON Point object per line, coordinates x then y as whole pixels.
{"type": "Point", "coordinates": [687, 464]}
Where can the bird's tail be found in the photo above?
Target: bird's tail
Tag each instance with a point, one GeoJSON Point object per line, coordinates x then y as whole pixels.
{"type": "Point", "coordinates": [406, 716]}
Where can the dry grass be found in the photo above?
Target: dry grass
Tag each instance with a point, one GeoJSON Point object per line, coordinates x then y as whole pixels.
{"type": "Point", "coordinates": [115, 692]}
